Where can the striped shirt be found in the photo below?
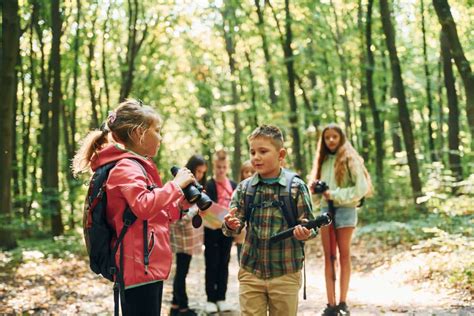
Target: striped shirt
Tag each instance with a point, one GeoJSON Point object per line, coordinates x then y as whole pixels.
{"type": "Point", "coordinates": [258, 256]}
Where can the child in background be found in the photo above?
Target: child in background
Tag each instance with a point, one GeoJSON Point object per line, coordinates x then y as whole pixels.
{"type": "Point", "coordinates": [134, 182]}
{"type": "Point", "coordinates": [246, 171]}
{"type": "Point", "coordinates": [218, 246]}
{"type": "Point", "coordinates": [339, 165]}
{"type": "Point", "coordinates": [270, 274]}
{"type": "Point", "coordinates": [186, 241]}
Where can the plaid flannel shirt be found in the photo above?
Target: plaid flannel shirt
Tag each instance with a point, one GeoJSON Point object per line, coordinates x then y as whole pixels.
{"type": "Point", "coordinates": [258, 256]}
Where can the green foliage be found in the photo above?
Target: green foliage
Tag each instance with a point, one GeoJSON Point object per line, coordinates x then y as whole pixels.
{"type": "Point", "coordinates": [427, 227]}
{"type": "Point", "coordinates": [63, 247]}
{"type": "Point", "coordinates": [182, 69]}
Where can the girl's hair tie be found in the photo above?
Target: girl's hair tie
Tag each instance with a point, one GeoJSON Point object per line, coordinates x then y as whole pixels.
{"type": "Point", "coordinates": [112, 116]}
{"type": "Point", "coordinates": [104, 128]}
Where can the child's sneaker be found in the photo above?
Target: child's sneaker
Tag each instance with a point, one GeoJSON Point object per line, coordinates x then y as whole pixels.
{"type": "Point", "coordinates": [330, 311]}
{"type": "Point", "coordinates": [224, 306]}
{"type": "Point", "coordinates": [343, 309]}
{"type": "Point", "coordinates": [210, 308]}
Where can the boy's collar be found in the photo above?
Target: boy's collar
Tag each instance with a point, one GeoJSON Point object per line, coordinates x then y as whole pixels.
{"type": "Point", "coordinates": [281, 179]}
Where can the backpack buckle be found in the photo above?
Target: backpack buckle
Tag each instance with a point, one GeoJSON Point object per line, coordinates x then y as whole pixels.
{"type": "Point", "coordinates": [277, 203]}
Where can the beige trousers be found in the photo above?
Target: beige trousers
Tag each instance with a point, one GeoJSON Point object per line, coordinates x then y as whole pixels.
{"type": "Point", "coordinates": [278, 296]}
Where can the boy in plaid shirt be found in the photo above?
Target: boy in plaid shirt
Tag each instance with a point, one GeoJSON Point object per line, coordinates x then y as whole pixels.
{"type": "Point", "coordinates": [270, 274]}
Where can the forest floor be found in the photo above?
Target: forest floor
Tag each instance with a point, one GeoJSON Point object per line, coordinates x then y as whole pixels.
{"type": "Point", "coordinates": [413, 280]}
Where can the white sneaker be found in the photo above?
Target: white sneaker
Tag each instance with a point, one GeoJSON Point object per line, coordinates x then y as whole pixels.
{"type": "Point", "coordinates": [210, 308]}
{"type": "Point", "coordinates": [224, 306]}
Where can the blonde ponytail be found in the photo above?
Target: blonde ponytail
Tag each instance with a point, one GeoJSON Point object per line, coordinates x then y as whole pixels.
{"type": "Point", "coordinates": [91, 144]}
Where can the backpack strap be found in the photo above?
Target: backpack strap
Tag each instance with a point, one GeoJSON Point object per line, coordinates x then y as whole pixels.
{"type": "Point", "coordinates": [119, 285]}
{"type": "Point", "coordinates": [287, 203]}
{"type": "Point", "coordinates": [249, 197]}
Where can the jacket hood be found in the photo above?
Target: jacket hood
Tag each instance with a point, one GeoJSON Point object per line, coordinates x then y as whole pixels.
{"type": "Point", "coordinates": [112, 153]}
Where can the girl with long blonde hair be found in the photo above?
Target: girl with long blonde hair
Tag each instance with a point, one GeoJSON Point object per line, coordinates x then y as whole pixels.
{"type": "Point", "coordinates": [339, 165]}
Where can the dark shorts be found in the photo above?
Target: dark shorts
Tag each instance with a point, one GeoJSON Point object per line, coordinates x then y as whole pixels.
{"type": "Point", "coordinates": [345, 216]}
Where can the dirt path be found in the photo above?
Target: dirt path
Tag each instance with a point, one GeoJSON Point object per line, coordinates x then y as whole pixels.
{"type": "Point", "coordinates": [66, 287]}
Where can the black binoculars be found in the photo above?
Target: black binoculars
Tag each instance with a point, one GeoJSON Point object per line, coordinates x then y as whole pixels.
{"type": "Point", "coordinates": [319, 187]}
{"type": "Point", "coordinates": [193, 193]}
{"type": "Point", "coordinates": [318, 222]}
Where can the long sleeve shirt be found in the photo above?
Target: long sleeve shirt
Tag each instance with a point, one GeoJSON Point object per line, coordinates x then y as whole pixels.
{"type": "Point", "coordinates": [354, 185]}
{"type": "Point", "coordinates": [258, 256]}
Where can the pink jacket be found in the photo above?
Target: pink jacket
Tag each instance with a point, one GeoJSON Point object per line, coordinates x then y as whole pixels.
{"type": "Point", "coordinates": [127, 185]}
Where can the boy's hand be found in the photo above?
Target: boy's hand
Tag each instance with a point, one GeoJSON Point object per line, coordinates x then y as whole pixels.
{"type": "Point", "coordinates": [231, 221]}
{"type": "Point", "coordinates": [301, 233]}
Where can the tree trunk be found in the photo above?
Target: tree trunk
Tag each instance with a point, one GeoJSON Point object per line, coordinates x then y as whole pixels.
{"type": "Point", "coordinates": [314, 113]}
{"type": "Point", "coordinates": [8, 62]}
{"type": "Point", "coordinates": [344, 77]}
{"type": "Point", "coordinates": [453, 116]}
{"type": "Point", "coordinates": [364, 106]}
{"type": "Point", "coordinates": [289, 63]}
{"type": "Point", "coordinates": [16, 182]}
{"type": "Point", "coordinates": [229, 19]}
{"type": "Point", "coordinates": [94, 123]}
{"type": "Point", "coordinates": [253, 96]}
{"type": "Point", "coordinates": [440, 135]}
{"type": "Point", "coordinates": [44, 137]}
{"type": "Point", "coordinates": [286, 42]}
{"type": "Point", "coordinates": [403, 112]}
{"type": "Point", "coordinates": [266, 54]}
{"type": "Point", "coordinates": [69, 121]}
{"type": "Point", "coordinates": [448, 25]}
{"type": "Point", "coordinates": [105, 32]}
{"type": "Point", "coordinates": [53, 180]}
{"type": "Point", "coordinates": [331, 90]}
{"type": "Point", "coordinates": [377, 121]}
{"type": "Point", "coordinates": [26, 131]}
{"type": "Point", "coordinates": [429, 98]}
{"type": "Point", "coordinates": [133, 47]}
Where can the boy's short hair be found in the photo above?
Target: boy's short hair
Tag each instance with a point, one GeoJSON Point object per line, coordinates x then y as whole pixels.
{"type": "Point", "coordinates": [220, 155]}
{"type": "Point", "coordinates": [269, 131]}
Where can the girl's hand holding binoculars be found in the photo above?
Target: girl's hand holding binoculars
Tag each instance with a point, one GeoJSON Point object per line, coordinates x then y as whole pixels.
{"type": "Point", "coordinates": [231, 221]}
{"type": "Point", "coordinates": [326, 195]}
{"type": "Point", "coordinates": [184, 177]}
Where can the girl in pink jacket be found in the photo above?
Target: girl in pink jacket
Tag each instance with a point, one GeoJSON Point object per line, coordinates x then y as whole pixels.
{"type": "Point", "coordinates": [131, 137]}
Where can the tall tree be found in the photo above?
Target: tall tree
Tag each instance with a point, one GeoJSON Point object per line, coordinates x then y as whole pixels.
{"type": "Point", "coordinates": [337, 36]}
{"type": "Point", "coordinates": [253, 95]}
{"type": "Point", "coordinates": [8, 60]}
{"type": "Point", "coordinates": [266, 54]}
{"type": "Point", "coordinates": [403, 112]}
{"type": "Point", "coordinates": [44, 137]}
{"type": "Point", "coordinates": [453, 116]}
{"type": "Point", "coordinates": [364, 106]}
{"type": "Point", "coordinates": [57, 227]}
{"type": "Point", "coordinates": [134, 43]}
{"type": "Point", "coordinates": [429, 98]}
{"type": "Point", "coordinates": [228, 26]}
{"type": "Point", "coordinates": [286, 42]}
{"type": "Point", "coordinates": [105, 34]}
{"type": "Point", "coordinates": [69, 120]}
{"type": "Point", "coordinates": [443, 10]}
{"type": "Point", "coordinates": [91, 75]}
{"type": "Point", "coordinates": [377, 121]}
